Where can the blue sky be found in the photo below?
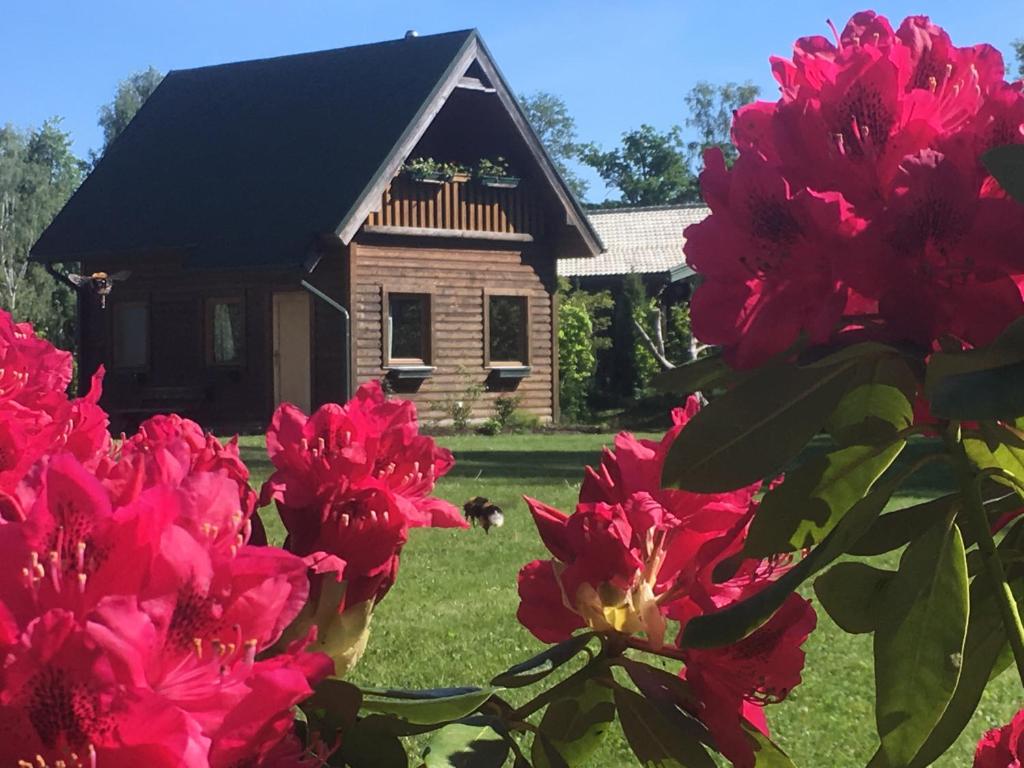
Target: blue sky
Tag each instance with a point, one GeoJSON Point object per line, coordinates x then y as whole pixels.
{"type": "Point", "coordinates": [616, 64]}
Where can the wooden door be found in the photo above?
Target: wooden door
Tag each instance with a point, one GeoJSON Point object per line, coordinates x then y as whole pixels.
{"type": "Point", "coordinates": [292, 349]}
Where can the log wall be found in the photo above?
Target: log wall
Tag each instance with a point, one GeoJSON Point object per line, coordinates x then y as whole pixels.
{"type": "Point", "coordinates": [458, 275]}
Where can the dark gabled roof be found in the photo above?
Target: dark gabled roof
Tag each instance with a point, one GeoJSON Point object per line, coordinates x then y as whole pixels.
{"type": "Point", "coordinates": [244, 163]}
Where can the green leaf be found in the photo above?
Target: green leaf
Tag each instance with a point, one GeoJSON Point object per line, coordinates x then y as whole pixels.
{"type": "Point", "coordinates": [655, 741]}
{"type": "Point", "coordinates": [740, 619]}
{"type": "Point", "coordinates": [756, 428]}
{"type": "Point", "coordinates": [694, 376]}
{"type": "Point", "coordinates": [544, 753]}
{"type": "Point", "coordinates": [979, 384]}
{"type": "Point", "coordinates": [875, 411]}
{"type": "Point", "coordinates": [466, 745]}
{"type": "Point", "coordinates": [657, 684]}
{"type": "Point", "coordinates": [996, 393]}
{"type": "Point", "coordinates": [543, 664]}
{"type": "Point", "coordinates": [575, 724]}
{"type": "Point", "coordinates": [419, 708]}
{"type": "Point", "coordinates": [1006, 164]}
{"type": "Point", "coordinates": [986, 654]}
{"type": "Point", "coordinates": [370, 744]}
{"type": "Point", "coordinates": [333, 706]}
{"type": "Point", "coordinates": [767, 754]}
{"type": "Point", "coordinates": [670, 694]}
{"type": "Point", "coordinates": [421, 693]}
{"type": "Point", "coordinates": [851, 594]}
{"type": "Point", "coordinates": [999, 446]}
{"type": "Point", "coordinates": [919, 643]}
{"type": "Point", "coordinates": [872, 350]}
{"type": "Point", "coordinates": [898, 528]}
{"type": "Point", "coordinates": [815, 497]}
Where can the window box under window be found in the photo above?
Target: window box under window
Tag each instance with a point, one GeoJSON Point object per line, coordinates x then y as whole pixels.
{"type": "Point", "coordinates": [510, 372]}
{"type": "Point", "coordinates": [410, 372]}
{"type": "Point", "coordinates": [500, 182]}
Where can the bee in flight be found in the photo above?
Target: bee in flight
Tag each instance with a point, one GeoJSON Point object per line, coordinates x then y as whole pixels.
{"type": "Point", "coordinates": [481, 511]}
{"type": "Point", "coordinates": [99, 283]}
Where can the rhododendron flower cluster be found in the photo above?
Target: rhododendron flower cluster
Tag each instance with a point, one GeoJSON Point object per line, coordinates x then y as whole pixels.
{"type": "Point", "coordinates": [858, 206]}
{"type": "Point", "coordinates": [634, 555]}
{"type": "Point", "coordinates": [1002, 747]}
{"type": "Point", "coordinates": [36, 415]}
{"type": "Point", "coordinates": [349, 482]}
{"type": "Point", "coordinates": [134, 611]}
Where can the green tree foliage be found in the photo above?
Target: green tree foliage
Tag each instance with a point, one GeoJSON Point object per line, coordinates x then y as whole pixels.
{"type": "Point", "coordinates": [38, 173]}
{"type": "Point", "coordinates": [649, 168]}
{"type": "Point", "coordinates": [576, 359]}
{"type": "Point", "coordinates": [556, 129]}
{"type": "Point", "coordinates": [632, 306]}
{"type": "Point", "coordinates": [584, 318]}
{"type": "Point", "coordinates": [130, 95]}
{"type": "Point", "coordinates": [677, 333]}
{"type": "Point", "coordinates": [661, 333]}
{"type": "Point", "coordinates": [1018, 47]}
{"type": "Point", "coordinates": [600, 306]}
{"type": "Point", "coordinates": [711, 108]}
{"type": "Point", "coordinates": [646, 365]}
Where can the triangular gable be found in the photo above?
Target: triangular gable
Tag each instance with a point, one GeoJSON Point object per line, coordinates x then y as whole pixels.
{"type": "Point", "coordinates": [473, 57]}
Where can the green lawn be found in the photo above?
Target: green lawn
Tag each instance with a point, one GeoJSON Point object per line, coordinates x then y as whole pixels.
{"type": "Point", "coordinates": [450, 619]}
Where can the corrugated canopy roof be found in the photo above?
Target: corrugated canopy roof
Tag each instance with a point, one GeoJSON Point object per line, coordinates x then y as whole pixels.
{"type": "Point", "coordinates": [640, 240]}
{"type": "Point", "coordinates": [244, 163]}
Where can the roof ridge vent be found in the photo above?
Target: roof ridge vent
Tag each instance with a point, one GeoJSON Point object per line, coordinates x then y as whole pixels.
{"type": "Point", "coordinates": [411, 33]}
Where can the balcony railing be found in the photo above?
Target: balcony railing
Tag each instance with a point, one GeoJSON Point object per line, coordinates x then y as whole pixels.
{"type": "Point", "coordinates": [464, 206]}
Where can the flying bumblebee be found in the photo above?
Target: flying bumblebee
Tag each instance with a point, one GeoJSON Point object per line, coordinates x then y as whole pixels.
{"type": "Point", "coordinates": [99, 283]}
{"type": "Point", "coordinates": [481, 511]}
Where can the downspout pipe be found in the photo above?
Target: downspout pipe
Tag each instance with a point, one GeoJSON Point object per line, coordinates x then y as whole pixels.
{"type": "Point", "coordinates": [346, 322]}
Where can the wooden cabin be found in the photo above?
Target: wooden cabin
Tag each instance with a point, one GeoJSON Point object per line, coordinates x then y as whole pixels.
{"type": "Point", "coordinates": [275, 247]}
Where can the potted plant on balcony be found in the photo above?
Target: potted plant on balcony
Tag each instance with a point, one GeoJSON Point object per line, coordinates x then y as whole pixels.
{"type": "Point", "coordinates": [460, 173]}
{"type": "Point", "coordinates": [427, 170]}
{"type": "Point", "coordinates": [495, 173]}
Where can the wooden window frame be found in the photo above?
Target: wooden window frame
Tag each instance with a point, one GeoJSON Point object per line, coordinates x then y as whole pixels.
{"type": "Point", "coordinates": [488, 294]}
{"type": "Point", "coordinates": [115, 309]}
{"type": "Point", "coordinates": [388, 361]}
{"type": "Point", "coordinates": [208, 306]}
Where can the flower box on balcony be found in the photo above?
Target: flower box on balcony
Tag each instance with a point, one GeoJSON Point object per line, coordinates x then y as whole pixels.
{"type": "Point", "coordinates": [500, 182]}
{"type": "Point", "coordinates": [430, 177]}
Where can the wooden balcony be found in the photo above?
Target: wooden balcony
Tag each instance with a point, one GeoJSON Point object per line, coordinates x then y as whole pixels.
{"type": "Point", "coordinates": [458, 209]}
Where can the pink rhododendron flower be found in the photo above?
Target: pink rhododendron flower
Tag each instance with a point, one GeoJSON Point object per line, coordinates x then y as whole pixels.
{"type": "Point", "coordinates": [859, 207]}
{"type": "Point", "coordinates": [634, 555]}
{"type": "Point", "coordinates": [64, 698]}
{"type": "Point", "coordinates": [350, 481]}
{"type": "Point", "coordinates": [166, 449]}
{"type": "Point", "coordinates": [36, 415]}
{"type": "Point", "coordinates": [1002, 747]}
{"type": "Point", "coordinates": [939, 248]}
{"type": "Point", "coordinates": [760, 669]}
{"type": "Point", "coordinates": [133, 606]}
{"type": "Point", "coordinates": [768, 256]}
{"type": "Point", "coordinates": [370, 437]}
